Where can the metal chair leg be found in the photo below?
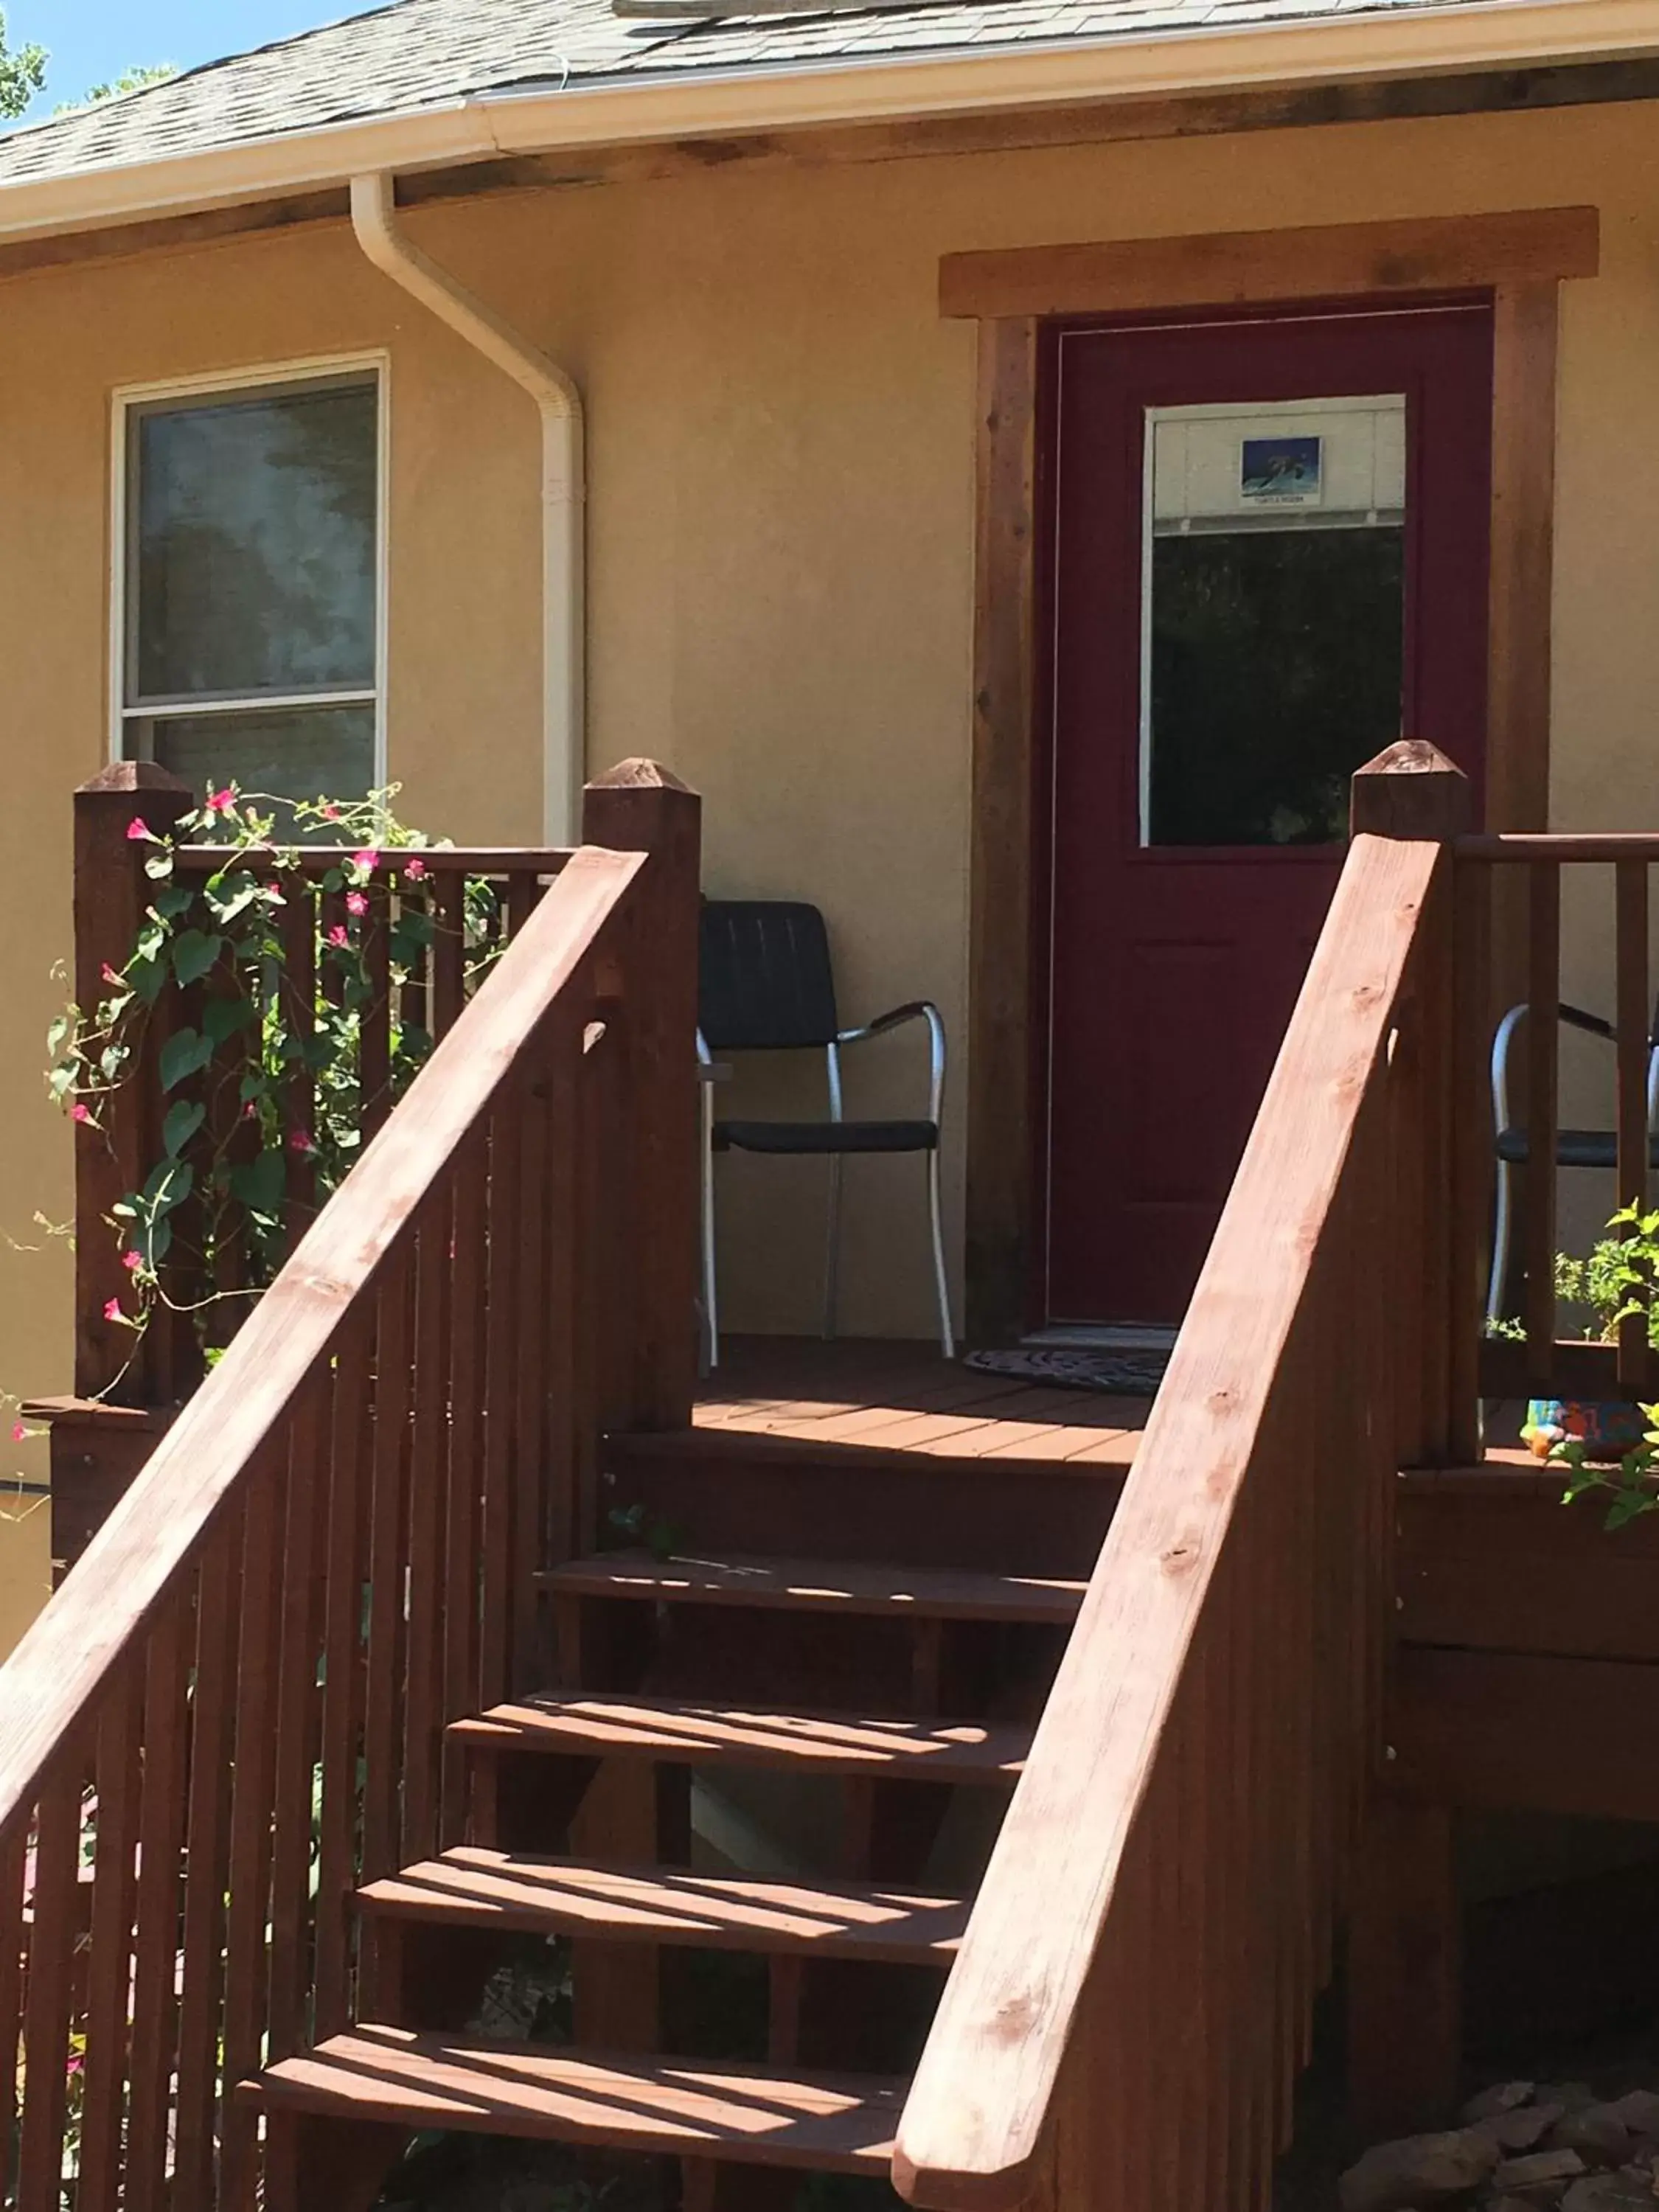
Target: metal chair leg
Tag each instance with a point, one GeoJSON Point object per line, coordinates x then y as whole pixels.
{"type": "Point", "coordinates": [1500, 1241]}
{"type": "Point", "coordinates": [710, 1293]}
{"type": "Point", "coordinates": [941, 1280]}
{"type": "Point", "coordinates": [832, 1251]}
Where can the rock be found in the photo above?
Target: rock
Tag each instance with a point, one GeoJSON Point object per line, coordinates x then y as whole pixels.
{"type": "Point", "coordinates": [1596, 2132]}
{"type": "Point", "coordinates": [1609, 2192]}
{"type": "Point", "coordinates": [1417, 2171]}
{"type": "Point", "coordinates": [1502, 2097]}
{"type": "Point", "coordinates": [1575, 2095]}
{"type": "Point", "coordinates": [1541, 2175]}
{"type": "Point", "coordinates": [1525, 2127]}
{"type": "Point", "coordinates": [1639, 2109]}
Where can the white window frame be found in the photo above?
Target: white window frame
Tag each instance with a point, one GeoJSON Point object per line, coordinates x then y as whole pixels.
{"type": "Point", "coordinates": [126, 401]}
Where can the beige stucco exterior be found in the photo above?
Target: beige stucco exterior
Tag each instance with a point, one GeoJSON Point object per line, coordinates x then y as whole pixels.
{"type": "Point", "coordinates": [781, 539]}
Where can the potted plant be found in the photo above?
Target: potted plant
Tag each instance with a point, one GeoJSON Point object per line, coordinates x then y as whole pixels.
{"type": "Point", "coordinates": [1614, 1281]}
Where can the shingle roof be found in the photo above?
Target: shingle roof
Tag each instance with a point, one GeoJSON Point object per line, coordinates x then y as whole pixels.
{"type": "Point", "coordinates": [423, 53]}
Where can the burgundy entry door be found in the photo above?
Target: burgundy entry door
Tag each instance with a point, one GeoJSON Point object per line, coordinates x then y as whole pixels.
{"type": "Point", "coordinates": [1270, 559]}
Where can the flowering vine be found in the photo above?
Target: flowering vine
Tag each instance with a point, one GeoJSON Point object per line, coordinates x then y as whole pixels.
{"type": "Point", "coordinates": [247, 1034]}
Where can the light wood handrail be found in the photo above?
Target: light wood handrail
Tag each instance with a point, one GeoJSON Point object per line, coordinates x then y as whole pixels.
{"type": "Point", "coordinates": [1134, 1993]}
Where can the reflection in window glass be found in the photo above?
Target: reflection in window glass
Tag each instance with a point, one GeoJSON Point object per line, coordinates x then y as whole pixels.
{"type": "Point", "coordinates": [251, 578]}
{"type": "Point", "coordinates": [1275, 672]}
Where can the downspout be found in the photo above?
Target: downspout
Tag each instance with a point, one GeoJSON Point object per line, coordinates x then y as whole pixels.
{"type": "Point", "coordinates": [563, 489]}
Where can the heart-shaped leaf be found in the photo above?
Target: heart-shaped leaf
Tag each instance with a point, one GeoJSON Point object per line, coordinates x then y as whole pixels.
{"type": "Point", "coordinates": [184, 1117]}
{"type": "Point", "coordinates": [185, 1053]}
{"type": "Point", "coordinates": [193, 953]}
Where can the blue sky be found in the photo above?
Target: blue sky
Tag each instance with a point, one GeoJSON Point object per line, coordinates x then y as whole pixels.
{"type": "Point", "coordinates": [91, 42]}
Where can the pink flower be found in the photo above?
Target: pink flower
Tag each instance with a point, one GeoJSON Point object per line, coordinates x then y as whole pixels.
{"type": "Point", "coordinates": [250, 1112]}
{"type": "Point", "coordinates": [356, 903]}
{"type": "Point", "coordinates": [137, 828]}
{"type": "Point", "coordinates": [368, 860]}
{"type": "Point", "coordinates": [80, 1111]}
{"type": "Point", "coordinates": [20, 1432]}
{"type": "Point", "coordinates": [110, 975]}
{"type": "Point", "coordinates": [222, 802]}
{"type": "Point", "coordinates": [415, 870]}
{"type": "Point", "coordinates": [273, 889]}
{"type": "Point", "coordinates": [133, 1261]}
{"type": "Point", "coordinates": [301, 1142]}
{"type": "Point", "coordinates": [337, 934]}
{"type": "Point", "coordinates": [113, 1309]}
{"type": "Point", "coordinates": [330, 813]}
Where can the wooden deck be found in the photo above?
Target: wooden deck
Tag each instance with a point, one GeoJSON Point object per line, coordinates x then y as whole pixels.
{"type": "Point", "coordinates": [886, 1396]}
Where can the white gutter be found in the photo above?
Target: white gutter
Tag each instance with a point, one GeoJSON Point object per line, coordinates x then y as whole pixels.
{"type": "Point", "coordinates": [693, 103]}
{"type": "Point", "coordinates": [563, 489]}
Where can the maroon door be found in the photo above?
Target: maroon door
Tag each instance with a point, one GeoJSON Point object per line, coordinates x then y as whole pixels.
{"type": "Point", "coordinates": [1270, 560]}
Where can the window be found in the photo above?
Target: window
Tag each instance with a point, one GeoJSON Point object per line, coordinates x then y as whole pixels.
{"type": "Point", "coordinates": [250, 622]}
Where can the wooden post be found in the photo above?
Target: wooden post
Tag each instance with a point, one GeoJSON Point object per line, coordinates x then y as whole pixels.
{"type": "Point", "coordinates": [1404, 1972]}
{"type": "Point", "coordinates": [638, 807]}
{"type": "Point", "coordinates": [111, 894]}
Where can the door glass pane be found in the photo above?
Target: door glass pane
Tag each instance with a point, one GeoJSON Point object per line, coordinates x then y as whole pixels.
{"type": "Point", "coordinates": [313, 753]}
{"type": "Point", "coordinates": [1274, 615]}
{"type": "Point", "coordinates": [253, 544]}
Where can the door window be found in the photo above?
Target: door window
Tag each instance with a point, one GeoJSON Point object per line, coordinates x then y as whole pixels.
{"type": "Point", "coordinates": [251, 645]}
{"type": "Point", "coordinates": [1272, 616]}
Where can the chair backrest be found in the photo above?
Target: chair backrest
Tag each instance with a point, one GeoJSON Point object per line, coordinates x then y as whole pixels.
{"type": "Point", "coordinates": [765, 982]}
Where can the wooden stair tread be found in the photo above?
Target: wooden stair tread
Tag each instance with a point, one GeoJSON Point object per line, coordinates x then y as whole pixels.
{"type": "Point", "coordinates": [834, 2123]}
{"type": "Point", "coordinates": [711, 1735]}
{"type": "Point", "coordinates": [820, 1586]}
{"type": "Point", "coordinates": [472, 1886]}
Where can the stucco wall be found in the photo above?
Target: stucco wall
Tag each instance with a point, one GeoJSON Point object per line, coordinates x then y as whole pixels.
{"type": "Point", "coordinates": [780, 549]}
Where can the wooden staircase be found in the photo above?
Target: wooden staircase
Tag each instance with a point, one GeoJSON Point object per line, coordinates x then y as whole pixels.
{"type": "Point", "coordinates": [892, 1690]}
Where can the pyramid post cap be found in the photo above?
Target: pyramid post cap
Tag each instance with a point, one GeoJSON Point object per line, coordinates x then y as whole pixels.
{"type": "Point", "coordinates": [638, 774]}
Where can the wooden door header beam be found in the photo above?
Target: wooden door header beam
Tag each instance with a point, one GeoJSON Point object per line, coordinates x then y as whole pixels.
{"type": "Point", "coordinates": [1221, 269]}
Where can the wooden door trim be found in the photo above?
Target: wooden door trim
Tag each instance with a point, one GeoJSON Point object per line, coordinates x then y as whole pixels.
{"type": "Point", "coordinates": [1518, 261]}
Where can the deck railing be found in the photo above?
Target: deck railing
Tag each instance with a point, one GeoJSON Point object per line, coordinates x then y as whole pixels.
{"type": "Point", "coordinates": [1134, 1996]}
{"type": "Point", "coordinates": [422, 952]}
{"type": "Point", "coordinates": [232, 1713]}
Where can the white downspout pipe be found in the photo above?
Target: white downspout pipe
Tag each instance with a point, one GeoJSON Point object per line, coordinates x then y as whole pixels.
{"type": "Point", "coordinates": [563, 489]}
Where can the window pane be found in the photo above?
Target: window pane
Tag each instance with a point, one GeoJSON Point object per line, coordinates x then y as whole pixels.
{"type": "Point", "coordinates": [323, 752]}
{"type": "Point", "coordinates": [254, 545]}
{"type": "Point", "coordinates": [1276, 666]}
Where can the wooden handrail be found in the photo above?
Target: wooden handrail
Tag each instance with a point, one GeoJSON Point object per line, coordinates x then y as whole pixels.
{"type": "Point", "coordinates": [1134, 1992]}
{"type": "Point", "coordinates": [233, 1711]}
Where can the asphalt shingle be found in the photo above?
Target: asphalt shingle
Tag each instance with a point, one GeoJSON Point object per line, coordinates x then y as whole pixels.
{"type": "Point", "coordinates": [418, 54]}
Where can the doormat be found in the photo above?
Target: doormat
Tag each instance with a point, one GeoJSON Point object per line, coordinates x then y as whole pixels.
{"type": "Point", "coordinates": [1121, 1374]}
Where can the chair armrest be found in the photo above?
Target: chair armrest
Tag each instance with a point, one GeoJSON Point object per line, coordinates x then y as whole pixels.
{"type": "Point", "coordinates": [1594, 1024]}
{"type": "Point", "coordinates": [918, 1010]}
{"type": "Point", "coordinates": [1574, 1018]}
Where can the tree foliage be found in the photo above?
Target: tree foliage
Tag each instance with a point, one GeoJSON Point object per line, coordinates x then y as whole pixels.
{"type": "Point", "coordinates": [22, 73]}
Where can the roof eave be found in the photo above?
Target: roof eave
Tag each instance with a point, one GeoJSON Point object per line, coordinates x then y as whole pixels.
{"type": "Point", "coordinates": [1479, 35]}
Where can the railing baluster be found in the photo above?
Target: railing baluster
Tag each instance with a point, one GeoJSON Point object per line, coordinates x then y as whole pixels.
{"type": "Point", "coordinates": [500, 1318]}
{"type": "Point", "coordinates": [155, 1963]}
{"type": "Point", "coordinates": [201, 1968]}
{"type": "Point", "coordinates": [109, 1976]}
{"type": "Point", "coordinates": [1543, 997]}
{"type": "Point", "coordinates": [13, 1942]}
{"type": "Point", "coordinates": [449, 950]}
{"type": "Point", "coordinates": [383, 1724]}
{"type": "Point", "coordinates": [428, 1513]}
{"type": "Point", "coordinates": [297, 1715]}
{"type": "Point", "coordinates": [1634, 1013]}
{"type": "Point", "coordinates": [298, 988]}
{"type": "Point", "coordinates": [531, 1422]}
{"type": "Point", "coordinates": [465, 1469]}
{"type": "Point", "coordinates": [374, 1050]}
{"type": "Point", "coordinates": [50, 1957]}
{"type": "Point", "coordinates": [344, 1582]}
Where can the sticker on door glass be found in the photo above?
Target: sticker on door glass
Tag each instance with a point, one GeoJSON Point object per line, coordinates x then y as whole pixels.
{"type": "Point", "coordinates": [1281, 472]}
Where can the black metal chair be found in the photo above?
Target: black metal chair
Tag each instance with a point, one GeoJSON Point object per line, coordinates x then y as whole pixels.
{"type": "Point", "coordinates": [1574, 1148]}
{"type": "Point", "coordinates": [767, 986]}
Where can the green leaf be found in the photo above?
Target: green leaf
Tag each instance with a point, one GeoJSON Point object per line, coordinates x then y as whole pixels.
{"type": "Point", "coordinates": [260, 1184]}
{"type": "Point", "coordinates": [184, 1117]}
{"type": "Point", "coordinates": [185, 1053]}
{"type": "Point", "coordinates": [147, 977]}
{"type": "Point", "coordinates": [171, 901]}
{"type": "Point", "coordinates": [228, 896]}
{"type": "Point", "coordinates": [193, 953]}
{"type": "Point", "coordinates": [159, 866]}
{"type": "Point", "coordinates": [167, 1186]}
{"type": "Point", "coordinates": [222, 1017]}
{"type": "Point", "coordinates": [58, 1034]}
